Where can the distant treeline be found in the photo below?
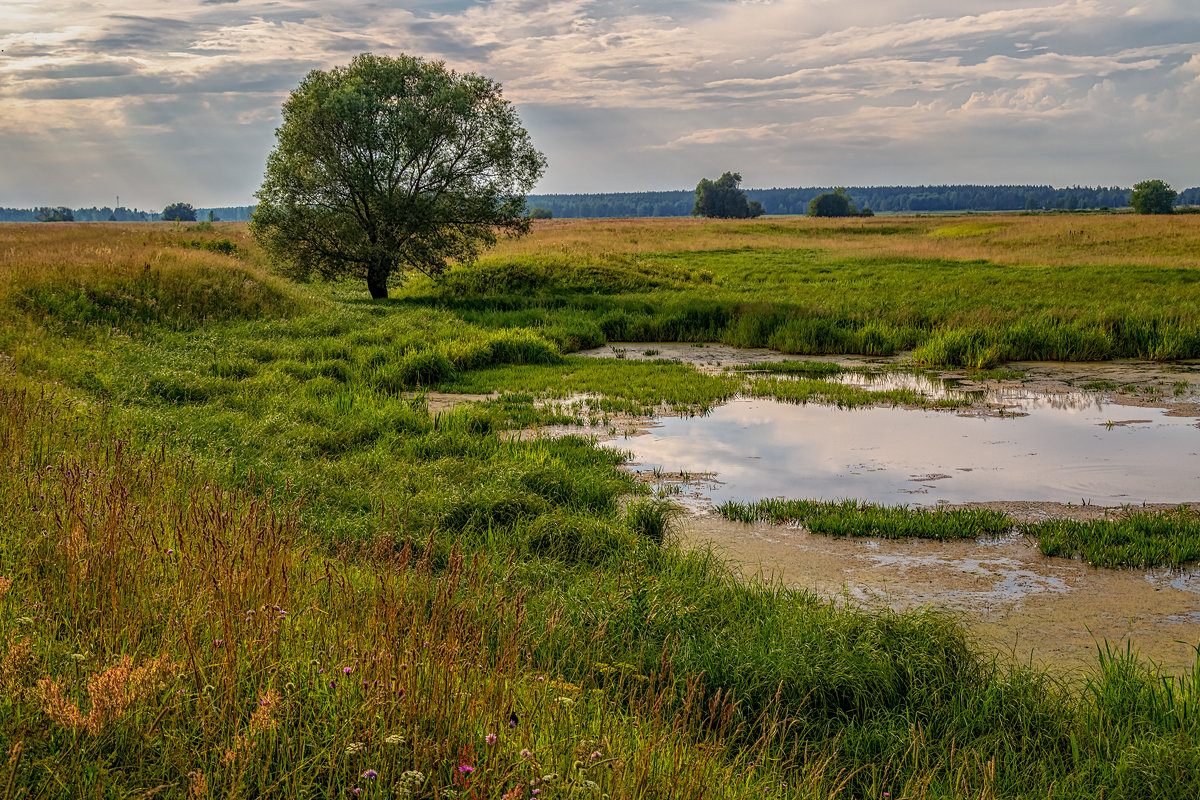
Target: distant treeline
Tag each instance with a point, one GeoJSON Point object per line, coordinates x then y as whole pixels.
{"type": "Point", "coordinates": [964, 197]}
{"type": "Point", "coordinates": [122, 214]}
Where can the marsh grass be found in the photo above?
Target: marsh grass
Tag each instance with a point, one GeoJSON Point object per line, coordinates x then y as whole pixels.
{"type": "Point", "coordinates": [412, 575]}
{"type": "Point", "coordinates": [162, 631]}
{"type": "Point", "coordinates": [1137, 539]}
{"type": "Point", "coordinates": [855, 518]}
{"type": "Point", "coordinates": [1017, 288]}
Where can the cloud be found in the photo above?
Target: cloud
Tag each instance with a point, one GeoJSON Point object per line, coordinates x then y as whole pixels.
{"type": "Point", "coordinates": [626, 96]}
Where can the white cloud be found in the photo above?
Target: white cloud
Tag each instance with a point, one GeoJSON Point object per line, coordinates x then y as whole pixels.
{"type": "Point", "coordinates": [648, 96]}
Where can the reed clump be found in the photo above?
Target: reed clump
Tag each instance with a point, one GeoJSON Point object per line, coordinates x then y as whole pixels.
{"type": "Point", "coordinates": [856, 518]}
{"type": "Point", "coordinates": [1137, 539]}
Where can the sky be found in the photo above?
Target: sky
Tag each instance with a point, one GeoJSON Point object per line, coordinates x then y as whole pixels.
{"type": "Point", "coordinates": [157, 101]}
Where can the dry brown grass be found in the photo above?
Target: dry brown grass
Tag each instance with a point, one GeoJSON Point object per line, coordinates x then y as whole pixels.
{"type": "Point", "coordinates": [1050, 240]}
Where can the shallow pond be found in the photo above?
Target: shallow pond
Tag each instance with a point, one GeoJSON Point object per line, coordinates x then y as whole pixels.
{"type": "Point", "coordinates": [1041, 439]}
{"type": "Point", "coordinates": [1068, 447]}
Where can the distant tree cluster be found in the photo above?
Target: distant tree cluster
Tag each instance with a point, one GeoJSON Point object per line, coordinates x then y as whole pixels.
{"type": "Point", "coordinates": [93, 214]}
{"type": "Point", "coordinates": [1153, 197]}
{"type": "Point", "coordinates": [57, 214]}
{"type": "Point", "coordinates": [724, 199]}
{"type": "Point", "coordinates": [541, 213]}
{"type": "Point", "coordinates": [179, 212]}
{"type": "Point", "coordinates": [836, 204]}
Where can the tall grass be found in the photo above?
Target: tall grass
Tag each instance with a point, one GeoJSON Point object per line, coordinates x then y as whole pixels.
{"type": "Point", "coordinates": [854, 518]}
{"type": "Point", "coordinates": [1139, 539]}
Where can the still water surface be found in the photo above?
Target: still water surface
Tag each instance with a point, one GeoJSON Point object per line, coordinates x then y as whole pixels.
{"type": "Point", "coordinates": [1067, 448]}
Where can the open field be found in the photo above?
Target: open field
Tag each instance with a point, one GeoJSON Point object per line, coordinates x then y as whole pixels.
{"type": "Point", "coordinates": [241, 557]}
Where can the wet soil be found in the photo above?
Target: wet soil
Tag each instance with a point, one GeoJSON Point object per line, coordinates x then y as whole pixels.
{"type": "Point", "coordinates": [1017, 602]}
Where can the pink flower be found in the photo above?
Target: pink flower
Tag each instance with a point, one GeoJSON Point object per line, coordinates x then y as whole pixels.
{"type": "Point", "coordinates": [490, 738]}
{"type": "Point", "coordinates": [466, 769]}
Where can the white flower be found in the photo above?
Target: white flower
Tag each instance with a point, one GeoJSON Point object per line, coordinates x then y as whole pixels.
{"type": "Point", "coordinates": [354, 748]}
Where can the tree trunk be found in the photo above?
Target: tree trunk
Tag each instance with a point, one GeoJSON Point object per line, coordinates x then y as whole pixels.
{"type": "Point", "coordinates": [377, 275]}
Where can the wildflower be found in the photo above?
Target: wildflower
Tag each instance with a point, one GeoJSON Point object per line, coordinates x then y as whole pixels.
{"type": "Point", "coordinates": [466, 769]}
{"type": "Point", "coordinates": [347, 670]}
{"type": "Point", "coordinates": [526, 754]}
{"type": "Point", "coordinates": [354, 748]}
{"type": "Point", "coordinates": [594, 756]}
{"type": "Point", "coordinates": [490, 738]}
{"type": "Point", "coordinates": [333, 684]}
{"type": "Point", "coordinates": [356, 790]}
{"type": "Point", "coordinates": [395, 738]}
{"type": "Point", "coordinates": [370, 775]}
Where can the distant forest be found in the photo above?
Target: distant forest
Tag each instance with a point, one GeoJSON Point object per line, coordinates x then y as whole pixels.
{"type": "Point", "coordinates": [122, 214]}
{"type": "Point", "coordinates": [966, 197]}
{"type": "Point", "coordinates": [902, 199]}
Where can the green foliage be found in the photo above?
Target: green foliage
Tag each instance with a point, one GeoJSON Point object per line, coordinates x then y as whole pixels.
{"type": "Point", "coordinates": [390, 165]}
{"type": "Point", "coordinates": [1140, 539]}
{"type": "Point", "coordinates": [58, 214]}
{"type": "Point", "coordinates": [723, 199]}
{"type": "Point", "coordinates": [540, 213]}
{"type": "Point", "coordinates": [179, 212]}
{"type": "Point", "coordinates": [833, 204]}
{"type": "Point", "coordinates": [1152, 197]}
{"type": "Point", "coordinates": [852, 518]}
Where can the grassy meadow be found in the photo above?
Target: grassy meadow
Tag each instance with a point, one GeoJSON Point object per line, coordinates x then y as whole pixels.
{"type": "Point", "coordinates": [241, 556]}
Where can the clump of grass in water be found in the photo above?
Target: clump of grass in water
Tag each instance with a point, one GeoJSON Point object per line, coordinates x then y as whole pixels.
{"type": "Point", "coordinates": [853, 518]}
{"type": "Point", "coordinates": [1168, 539]}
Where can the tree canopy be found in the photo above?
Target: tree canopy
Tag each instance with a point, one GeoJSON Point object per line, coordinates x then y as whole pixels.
{"type": "Point", "coordinates": [1152, 197]}
{"type": "Point", "coordinates": [179, 212]}
{"type": "Point", "coordinates": [56, 214]}
{"type": "Point", "coordinates": [389, 165]}
{"type": "Point", "coordinates": [723, 199]}
{"type": "Point", "coordinates": [833, 204]}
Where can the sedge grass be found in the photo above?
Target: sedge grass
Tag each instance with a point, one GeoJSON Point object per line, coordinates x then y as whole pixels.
{"type": "Point", "coordinates": [1138, 539]}
{"type": "Point", "coordinates": [854, 518]}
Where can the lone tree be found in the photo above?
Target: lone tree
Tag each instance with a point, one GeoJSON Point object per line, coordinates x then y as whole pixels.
{"type": "Point", "coordinates": [179, 212]}
{"type": "Point", "coordinates": [389, 165]}
{"type": "Point", "coordinates": [833, 204]}
{"type": "Point", "coordinates": [722, 198]}
{"type": "Point", "coordinates": [1152, 197]}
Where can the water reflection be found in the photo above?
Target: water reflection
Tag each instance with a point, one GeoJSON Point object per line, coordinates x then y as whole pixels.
{"type": "Point", "coordinates": [1067, 447]}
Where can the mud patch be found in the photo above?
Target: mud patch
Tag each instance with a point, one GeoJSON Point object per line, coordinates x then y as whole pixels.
{"type": "Point", "coordinates": [1018, 603]}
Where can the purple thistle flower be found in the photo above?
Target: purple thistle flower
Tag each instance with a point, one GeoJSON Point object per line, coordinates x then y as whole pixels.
{"type": "Point", "coordinates": [466, 769]}
{"type": "Point", "coordinates": [370, 775]}
{"type": "Point", "coordinates": [347, 670]}
{"type": "Point", "coordinates": [490, 738]}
